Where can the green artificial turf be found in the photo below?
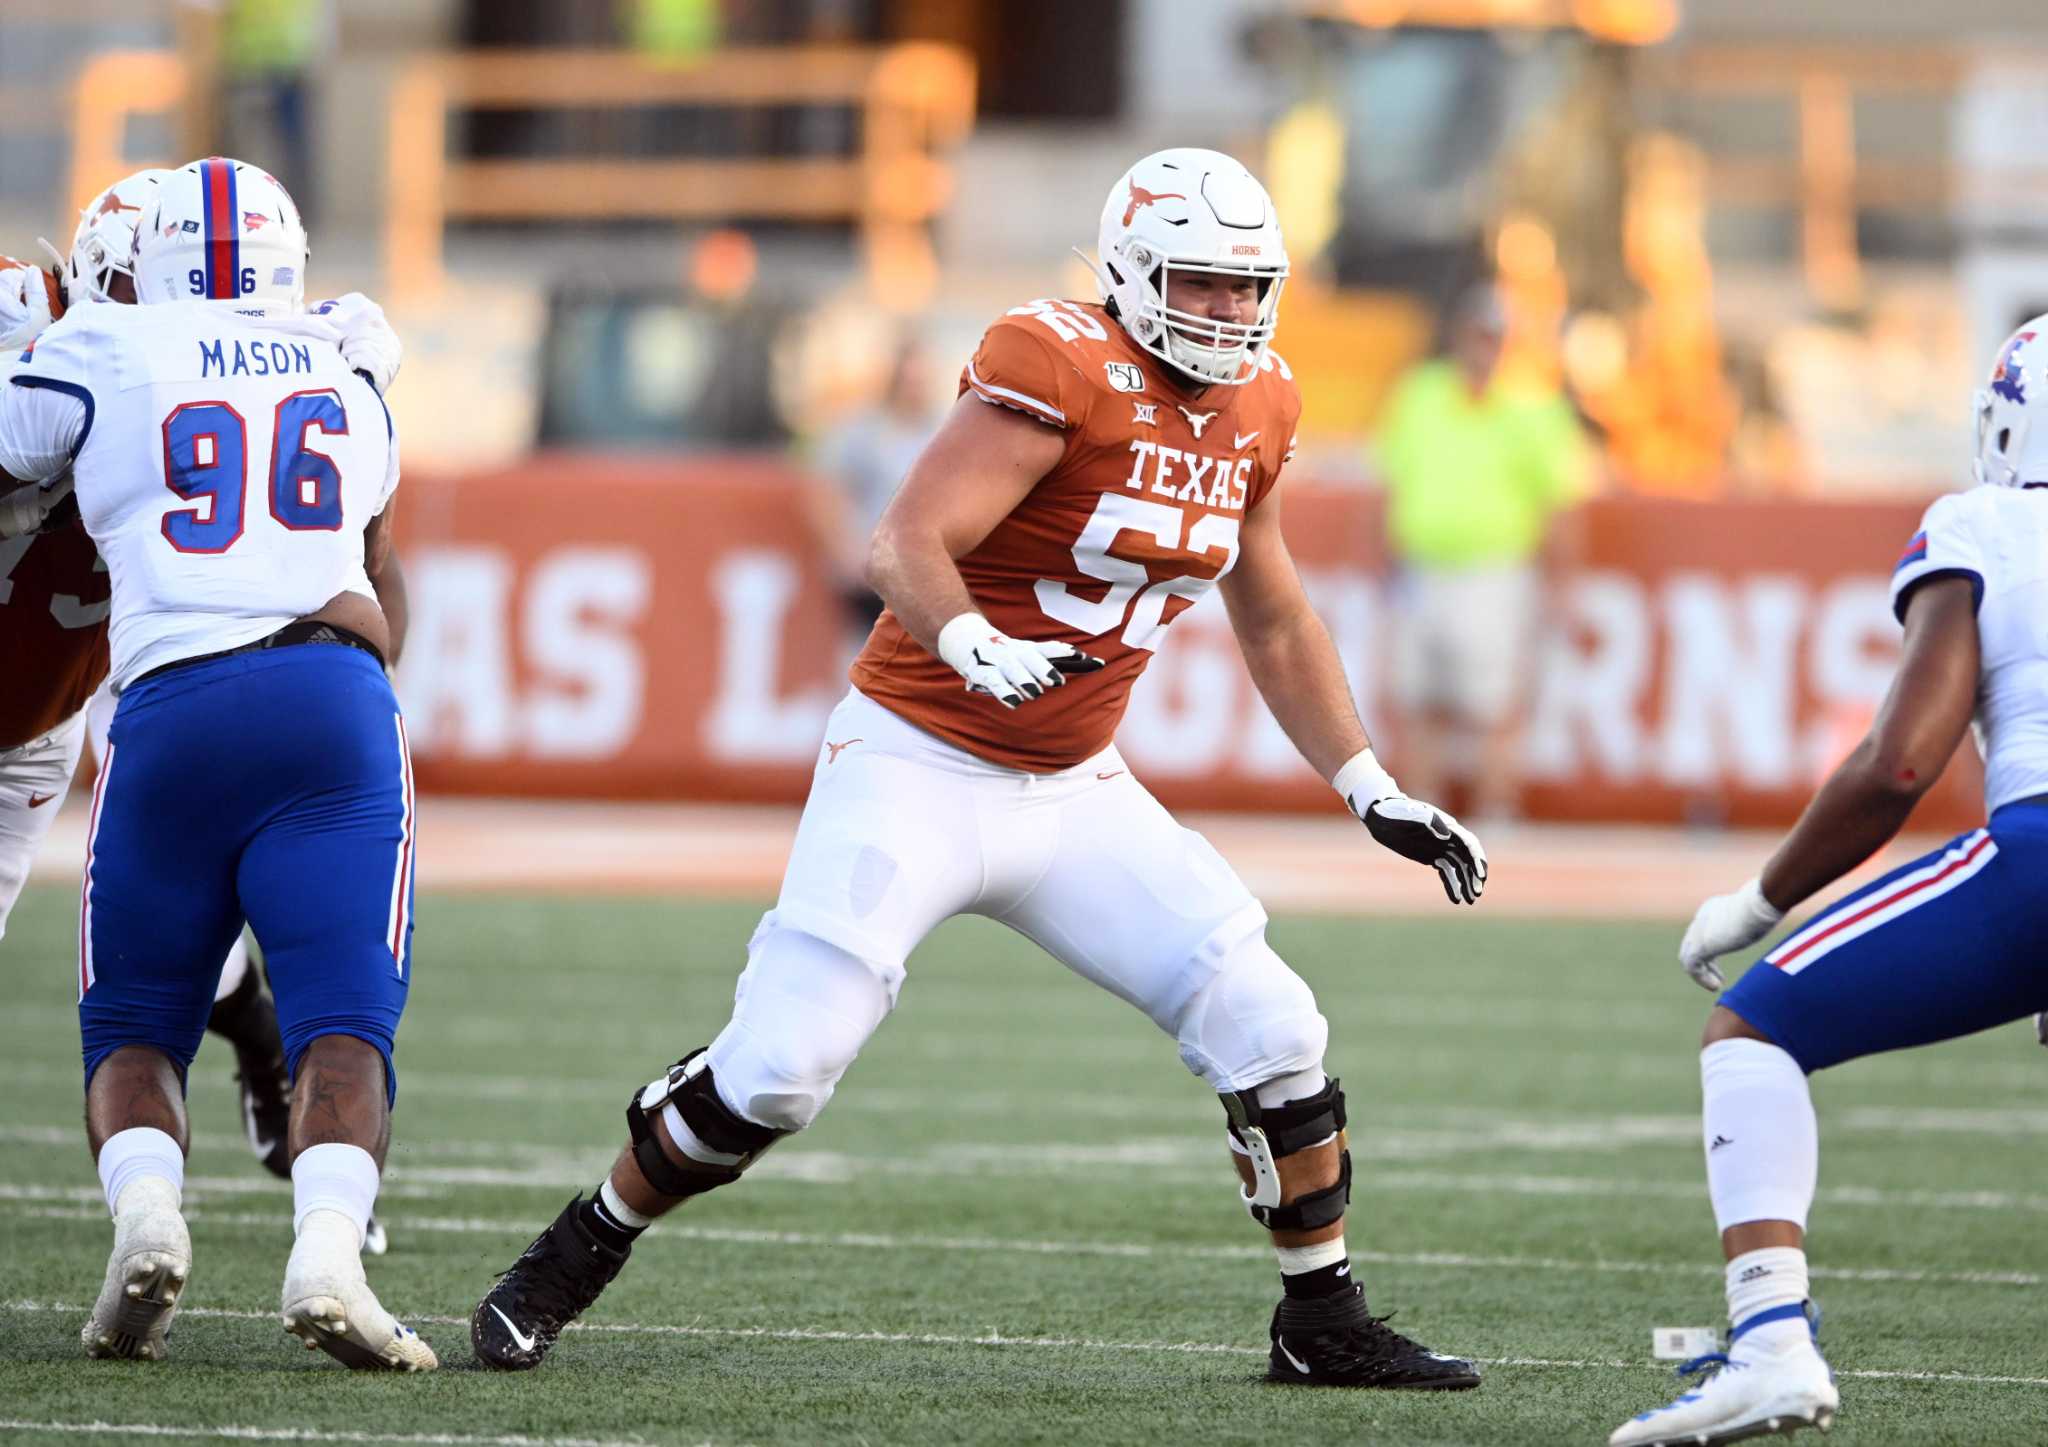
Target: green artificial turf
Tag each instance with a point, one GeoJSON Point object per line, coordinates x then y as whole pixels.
{"type": "Point", "coordinates": [1017, 1223]}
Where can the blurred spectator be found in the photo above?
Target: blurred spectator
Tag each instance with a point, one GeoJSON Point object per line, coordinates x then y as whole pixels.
{"type": "Point", "coordinates": [859, 465]}
{"type": "Point", "coordinates": [681, 30]}
{"type": "Point", "coordinates": [1478, 469]}
{"type": "Point", "coordinates": [262, 56]}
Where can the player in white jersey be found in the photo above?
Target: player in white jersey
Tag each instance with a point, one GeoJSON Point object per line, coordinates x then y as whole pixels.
{"type": "Point", "coordinates": [236, 476]}
{"type": "Point", "coordinates": [1945, 946]}
{"type": "Point", "coordinates": [53, 611]}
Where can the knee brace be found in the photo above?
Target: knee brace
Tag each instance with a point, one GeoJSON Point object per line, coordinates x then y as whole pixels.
{"type": "Point", "coordinates": [1270, 1133]}
{"type": "Point", "coordinates": [688, 1087]}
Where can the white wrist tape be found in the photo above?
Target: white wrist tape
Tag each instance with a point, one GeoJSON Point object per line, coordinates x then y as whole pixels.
{"type": "Point", "coordinates": [1760, 908]}
{"type": "Point", "coordinates": [959, 638]}
{"type": "Point", "coordinates": [1363, 779]}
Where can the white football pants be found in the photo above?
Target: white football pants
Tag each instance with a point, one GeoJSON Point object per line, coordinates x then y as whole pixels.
{"type": "Point", "coordinates": [34, 779]}
{"type": "Point", "coordinates": [902, 831]}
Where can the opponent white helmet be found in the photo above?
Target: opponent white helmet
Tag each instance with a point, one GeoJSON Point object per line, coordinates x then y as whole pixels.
{"type": "Point", "coordinates": [104, 244]}
{"type": "Point", "coordinates": [2011, 448]}
{"type": "Point", "coordinates": [222, 230]}
{"type": "Point", "coordinates": [1191, 210]}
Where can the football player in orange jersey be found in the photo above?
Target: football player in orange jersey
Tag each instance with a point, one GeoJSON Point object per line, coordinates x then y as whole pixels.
{"type": "Point", "coordinates": [1104, 466]}
{"type": "Point", "coordinates": [53, 626]}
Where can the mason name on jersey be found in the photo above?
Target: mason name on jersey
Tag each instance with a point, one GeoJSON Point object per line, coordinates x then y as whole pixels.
{"type": "Point", "coordinates": [235, 357]}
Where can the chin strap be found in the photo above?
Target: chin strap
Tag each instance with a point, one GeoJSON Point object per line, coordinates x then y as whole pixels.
{"type": "Point", "coordinates": [1269, 1134]}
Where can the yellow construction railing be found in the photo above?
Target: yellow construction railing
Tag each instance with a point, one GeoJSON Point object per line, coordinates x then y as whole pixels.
{"type": "Point", "coordinates": [109, 90]}
{"type": "Point", "coordinates": [915, 102]}
{"type": "Point", "coordinates": [1823, 175]}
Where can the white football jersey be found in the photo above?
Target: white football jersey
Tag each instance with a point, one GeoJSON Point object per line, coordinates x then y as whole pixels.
{"type": "Point", "coordinates": [1997, 537]}
{"type": "Point", "coordinates": [226, 462]}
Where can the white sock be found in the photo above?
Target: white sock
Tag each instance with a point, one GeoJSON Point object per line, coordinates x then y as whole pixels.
{"type": "Point", "coordinates": [136, 1153]}
{"type": "Point", "coordinates": [615, 1206]}
{"type": "Point", "coordinates": [334, 1177]}
{"type": "Point", "coordinates": [1294, 1260]}
{"type": "Point", "coordinates": [1763, 1146]}
{"type": "Point", "coordinates": [233, 969]}
{"type": "Point", "coordinates": [1768, 1288]}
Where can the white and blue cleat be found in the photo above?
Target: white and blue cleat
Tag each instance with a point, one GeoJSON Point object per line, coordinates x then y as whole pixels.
{"type": "Point", "coordinates": [1755, 1390]}
{"type": "Point", "coordinates": [146, 1272]}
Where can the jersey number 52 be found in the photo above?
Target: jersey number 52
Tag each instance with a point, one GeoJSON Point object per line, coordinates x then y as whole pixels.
{"type": "Point", "coordinates": [1130, 585]}
{"type": "Point", "coordinates": [206, 462]}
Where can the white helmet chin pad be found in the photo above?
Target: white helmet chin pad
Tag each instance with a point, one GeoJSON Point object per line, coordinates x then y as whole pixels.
{"type": "Point", "coordinates": [2011, 449]}
{"type": "Point", "coordinates": [1191, 210]}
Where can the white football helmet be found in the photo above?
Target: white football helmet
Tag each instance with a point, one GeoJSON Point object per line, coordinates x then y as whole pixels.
{"type": "Point", "coordinates": [222, 230]}
{"type": "Point", "coordinates": [103, 246]}
{"type": "Point", "coordinates": [1191, 210]}
{"type": "Point", "coordinates": [2012, 451]}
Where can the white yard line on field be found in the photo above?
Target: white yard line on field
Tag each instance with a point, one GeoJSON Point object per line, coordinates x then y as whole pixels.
{"type": "Point", "coordinates": [526, 1167]}
{"type": "Point", "coordinates": [1131, 1250]}
{"type": "Point", "coordinates": [236, 1433]}
{"type": "Point", "coordinates": [990, 1338]}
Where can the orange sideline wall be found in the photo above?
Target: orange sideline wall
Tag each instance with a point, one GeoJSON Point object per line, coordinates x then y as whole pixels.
{"type": "Point", "coordinates": [635, 628]}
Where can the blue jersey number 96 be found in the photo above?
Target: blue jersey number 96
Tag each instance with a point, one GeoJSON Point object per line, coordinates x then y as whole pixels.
{"type": "Point", "coordinates": [206, 462]}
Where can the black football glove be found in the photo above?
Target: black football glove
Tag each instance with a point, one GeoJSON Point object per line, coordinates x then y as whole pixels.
{"type": "Point", "coordinates": [1426, 834]}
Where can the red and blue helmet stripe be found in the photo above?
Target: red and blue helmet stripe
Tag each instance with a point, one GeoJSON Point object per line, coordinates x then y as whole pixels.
{"type": "Point", "coordinates": [223, 229]}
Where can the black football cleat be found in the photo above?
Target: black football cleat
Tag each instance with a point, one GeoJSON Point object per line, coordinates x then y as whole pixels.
{"type": "Point", "coordinates": [247, 1020]}
{"type": "Point", "coordinates": [553, 1282]}
{"type": "Point", "coordinates": [1335, 1341]}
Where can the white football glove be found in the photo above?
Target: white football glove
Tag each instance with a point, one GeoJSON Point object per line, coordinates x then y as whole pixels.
{"type": "Point", "coordinates": [29, 508]}
{"type": "Point", "coordinates": [368, 344]}
{"type": "Point", "coordinates": [24, 305]}
{"type": "Point", "coordinates": [1724, 924]}
{"type": "Point", "coordinates": [1412, 829]}
{"type": "Point", "coordinates": [1011, 671]}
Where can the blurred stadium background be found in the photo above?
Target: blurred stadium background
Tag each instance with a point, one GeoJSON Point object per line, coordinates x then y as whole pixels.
{"type": "Point", "coordinates": [678, 278]}
{"type": "Point", "coordinates": [652, 258]}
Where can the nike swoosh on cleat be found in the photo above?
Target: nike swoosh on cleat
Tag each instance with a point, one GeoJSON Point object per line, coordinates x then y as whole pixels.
{"type": "Point", "coordinates": [519, 1338]}
{"type": "Point", "coordinates": [1298, 1364]}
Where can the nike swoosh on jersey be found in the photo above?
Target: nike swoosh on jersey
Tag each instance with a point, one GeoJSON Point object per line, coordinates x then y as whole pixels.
{"type": "Point", "coordinates": [520, 1339]}
{"type": "Point", "coordinates": [36, 801]}
{"type": "Point", "coordinates": [1244, 440]}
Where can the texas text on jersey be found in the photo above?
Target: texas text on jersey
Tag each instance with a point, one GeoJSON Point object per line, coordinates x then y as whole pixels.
{"type": "Point", "coordinates": [1137, 521]}
{"type": "Point", "coordinates": [53, 630]}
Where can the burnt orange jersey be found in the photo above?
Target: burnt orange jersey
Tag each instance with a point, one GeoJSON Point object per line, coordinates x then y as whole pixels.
{"type": "Point", "coordinates": [1139, 518]}
{"type": "Point", "coordinates": [53, 630]}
